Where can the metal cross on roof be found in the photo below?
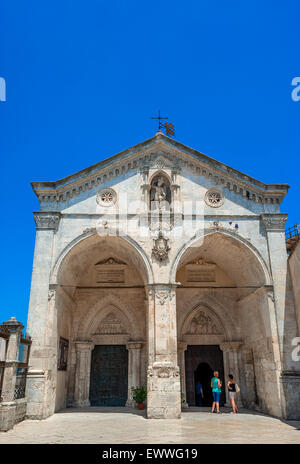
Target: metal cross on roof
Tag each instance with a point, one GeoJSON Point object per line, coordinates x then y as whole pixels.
{"type": "Point", "coordinates": [169, 127]}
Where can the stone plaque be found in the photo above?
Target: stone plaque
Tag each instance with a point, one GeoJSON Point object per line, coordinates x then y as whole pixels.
{"type": "Point", "coordinates": [201, 271]}
{"type": "Point", "coordinates": [110, 271]}
{"type": "Point", "coordinates": [110, 275]}
{"type": "Point", "coordinates": [201, 275]}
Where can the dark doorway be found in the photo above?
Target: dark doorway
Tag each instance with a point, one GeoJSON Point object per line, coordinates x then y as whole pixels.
{"type": "Point", "coordinates": [200, 363]}
{"type": "Point", "coordinates": [109, 375]}
{"type": "Point", "coordinates": [203, 374]}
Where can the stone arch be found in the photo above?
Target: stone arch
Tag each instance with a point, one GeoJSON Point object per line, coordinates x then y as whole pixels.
{"type": "Point", "coordinates": [101, 309]}
{"type": "Point", "coordinates": [233, 239]}
{"type": "Point", "coordinates": [71, 247]}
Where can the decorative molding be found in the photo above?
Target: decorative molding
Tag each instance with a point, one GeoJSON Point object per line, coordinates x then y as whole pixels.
{"type": "Point", "coordinates": [110, 261]}
{"type": "Point", "coordinates": [46, 220]}
{"type": "Point", "coordinates": [274, 222]}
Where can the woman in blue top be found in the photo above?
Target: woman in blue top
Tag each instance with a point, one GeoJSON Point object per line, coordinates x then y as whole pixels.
{"type": "Point", "coordinates": [216, 386]}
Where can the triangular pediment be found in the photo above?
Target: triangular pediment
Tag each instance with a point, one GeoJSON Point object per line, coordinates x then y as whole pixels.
{"type": "Point", "coordinates": [160, 152]}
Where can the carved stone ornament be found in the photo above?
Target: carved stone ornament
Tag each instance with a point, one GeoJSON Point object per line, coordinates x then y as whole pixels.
{"type": "Point", "coordinates": [46, 220]}
{"type": "Point", "coordinates": [161, 248]}
{"type": "Point", "coordinates": [51, 294]}
{"type": "Point", "coordinates": [111, 325]}
{"type": "Point", "coordinates": [204, 325]}
{"type": "Point", "coordinates": [163, 370]}
{"type": "Point", "coordinates": [106, 197]}
{"type": "Point", "coordinates": [214, 198]}
{"type": "Point", "coordinates": [274, 222]}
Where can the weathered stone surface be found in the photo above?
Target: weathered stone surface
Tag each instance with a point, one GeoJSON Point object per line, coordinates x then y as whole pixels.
{"type": "Point", "coordinates": [245, 303]}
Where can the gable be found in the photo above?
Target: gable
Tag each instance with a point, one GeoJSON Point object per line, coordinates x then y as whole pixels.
{"type": "Point", "coordinates": [159, 152]}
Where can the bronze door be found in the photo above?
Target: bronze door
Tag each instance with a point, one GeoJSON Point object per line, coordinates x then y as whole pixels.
{"type": "Point", "coordinates": [109, 375]}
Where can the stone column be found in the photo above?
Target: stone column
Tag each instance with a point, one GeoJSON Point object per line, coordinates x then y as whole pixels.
{"type": "Point", "coordinates": [8, 404]}
{"type": "Point", "coordinates": [182, 347]}
{"type": "Point", "coordinates": [41, 324]}
{"type": "Point", "coordinates": [163, 379]}
{"type": "Point", "coordinates": [231, 366]}
{"type": "Point", "coordinates": [134, 368]}
{"type": "Point", "coordinates": [274, 225]}
{"type": "Point", "coordinates": [285, 315]}
{"type": "Point", "coordinates": [82, 373]}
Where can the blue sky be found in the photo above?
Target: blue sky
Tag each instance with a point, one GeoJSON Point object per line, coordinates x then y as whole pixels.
{"type": "Point", "coordinates": [84, 78]}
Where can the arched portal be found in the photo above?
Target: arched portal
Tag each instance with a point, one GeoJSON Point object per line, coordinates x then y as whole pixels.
{"type": "Point", "coordinates": [224, 300]}
{"type": "Point", "coordinates": [100, 306]}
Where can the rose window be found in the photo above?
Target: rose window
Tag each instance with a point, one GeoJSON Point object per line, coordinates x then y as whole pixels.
{"type": "Point", "coordinates": [214, 198]}
{"type": "Point", "coordinates": [106, 197]}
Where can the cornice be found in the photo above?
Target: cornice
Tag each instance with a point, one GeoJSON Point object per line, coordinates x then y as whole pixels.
{"type": "Point", "coordinates": [179, 156]}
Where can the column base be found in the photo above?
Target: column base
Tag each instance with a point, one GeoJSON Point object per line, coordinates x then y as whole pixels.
{"type": "Point", "coordinates": [82, 404]}
{"type": "Point", "coordinates": [164, 393]}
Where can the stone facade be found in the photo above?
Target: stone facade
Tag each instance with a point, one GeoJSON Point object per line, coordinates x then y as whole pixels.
{"type": "Point", "coordinates": [157, 249]}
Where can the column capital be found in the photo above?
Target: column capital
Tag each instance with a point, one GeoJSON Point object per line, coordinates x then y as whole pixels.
{"type": "Point", "coordinates": [181, 346]}
{"type": "Point", "coordinates": [161, 293]}
{"type": "Point", "coordinates": [48, 220]}
{"type": "Point", "coordinates": [231, 346]}
{"type": "Point", "coordinates": [134, 345]}
{"type": "Point", "coordinates": [274, 222]}
{"type": "Point", "coordinates": [82, 345]}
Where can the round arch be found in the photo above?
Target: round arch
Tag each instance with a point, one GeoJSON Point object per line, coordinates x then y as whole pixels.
{"type": "Point", "coordinates": [247, 250]}
{"type": "Point", "coordinates": [131, 244]}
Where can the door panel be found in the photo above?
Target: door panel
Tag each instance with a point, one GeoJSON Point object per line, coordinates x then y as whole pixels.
{"type": "Point", "coordinates": [109, 375]}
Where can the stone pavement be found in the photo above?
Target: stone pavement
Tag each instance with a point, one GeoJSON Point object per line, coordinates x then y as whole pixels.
{"type": "Point", "coordinates": [124, 425]}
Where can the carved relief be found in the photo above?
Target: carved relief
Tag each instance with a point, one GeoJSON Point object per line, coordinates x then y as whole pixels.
{"type": "Point", "coordinates": [111, 325]}
{"type": "Point", "coordinates": [163, 371]}
{"type": "Point", "coordinates": [161, 248]}
{"type": "Point", "coordinates": [203, 324]}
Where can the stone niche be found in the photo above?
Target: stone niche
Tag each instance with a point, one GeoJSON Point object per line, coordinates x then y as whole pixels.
{"type": "Point", "coordinates": [110, 271]}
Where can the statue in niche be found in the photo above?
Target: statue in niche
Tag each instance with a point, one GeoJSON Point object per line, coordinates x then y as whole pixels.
{"type": "Point", "coordinates": [160, 194]}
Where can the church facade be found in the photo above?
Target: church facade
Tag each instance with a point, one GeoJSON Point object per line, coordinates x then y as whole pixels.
{"type": "Point", "coordinates": [154, 268]}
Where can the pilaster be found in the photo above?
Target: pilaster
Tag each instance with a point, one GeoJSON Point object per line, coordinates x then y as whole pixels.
{"type": "Point", "coordinates": [41, 322]}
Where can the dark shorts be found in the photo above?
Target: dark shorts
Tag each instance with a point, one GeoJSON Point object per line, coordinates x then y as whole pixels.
{"type": "Point", "coordinates": [217, 396]}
